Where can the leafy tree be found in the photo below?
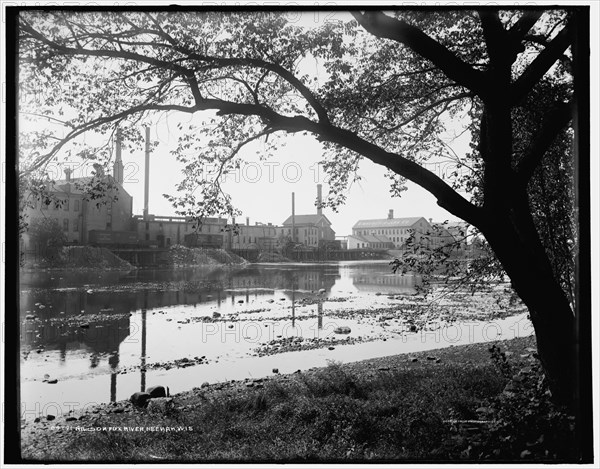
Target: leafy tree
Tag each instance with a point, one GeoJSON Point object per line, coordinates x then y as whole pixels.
{"type": "Point", "coordinates": [389, 88]}
{"type": "Point", "coordinates": [46, 233]}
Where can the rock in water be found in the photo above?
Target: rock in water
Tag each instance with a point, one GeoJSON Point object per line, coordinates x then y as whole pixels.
{"type": "Point", "coordinates": [342, 330]}
{"type": "Point", "coordinates": [160, 405]}
{"type": "Point", "coordinates": [140, 399]}
{"type": "Point", "coordinates": [157, 391]}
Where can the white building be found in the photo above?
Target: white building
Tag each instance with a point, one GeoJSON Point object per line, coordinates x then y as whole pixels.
{"type": "Point", "coordinates": [388, 233]}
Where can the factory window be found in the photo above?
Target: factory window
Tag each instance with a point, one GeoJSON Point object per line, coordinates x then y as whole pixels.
{"type": "Point", "coordinates": [76, 205]}
{"type": "Point", "coordinates": [76, 226]}
{"type": "Point", "coordinates": [66, 205]}
{"type": "Point", "coordinates": [66, 224]}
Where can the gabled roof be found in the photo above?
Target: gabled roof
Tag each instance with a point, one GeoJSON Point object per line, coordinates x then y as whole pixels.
{"type": "Point", "coordinates": [306, 220]}
{"type": "Point", "coordinates": [388, 222]}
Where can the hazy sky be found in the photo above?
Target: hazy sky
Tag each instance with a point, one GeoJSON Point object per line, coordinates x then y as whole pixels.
{"type": "Point", "coordinates": [262, 189]}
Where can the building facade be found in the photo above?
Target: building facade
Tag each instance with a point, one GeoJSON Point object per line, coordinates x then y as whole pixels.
{"type": "Point", "coordinates": [388, 233]}
{"type": "Point", "coordinates": [69, 202]}
{"type": "Point", "coordinates": [165, 231]}
{"type": "Point", "coordinates": [313, 230]}
{"type": "Point", "coordinates": [260, 236]}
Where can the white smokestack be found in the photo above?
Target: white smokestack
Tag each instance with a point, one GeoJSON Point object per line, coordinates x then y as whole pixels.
{"type": "Point", "coordinates": [147, 174]}
{"type": "Point", "coordinates": [293, 217]}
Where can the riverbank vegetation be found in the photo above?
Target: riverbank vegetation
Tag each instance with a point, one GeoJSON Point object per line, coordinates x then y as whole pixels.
{"type": "Point", "coordinates": [73, 257]}
{"type": "Point", "coordinates": [479, 402]}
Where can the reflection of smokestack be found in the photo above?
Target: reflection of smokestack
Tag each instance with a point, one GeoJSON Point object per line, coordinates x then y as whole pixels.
{"type": "Point", "coordinates": [390, 214]}
{"type": "Point", "coordinates": [293, 217]}
{"type": "Point", "coordinates": [147, 174]}
{"type": "Point", "coordinates": [319, 209]}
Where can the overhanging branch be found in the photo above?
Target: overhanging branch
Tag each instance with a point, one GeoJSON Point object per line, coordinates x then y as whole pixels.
{"type": "Point", "coordinates": [381, 25]}
{"type": "Point", "coordinates": [542, 63]}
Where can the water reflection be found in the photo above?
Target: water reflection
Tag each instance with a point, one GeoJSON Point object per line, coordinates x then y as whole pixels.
{"type": "Point", "coordinates": [121, 311]}
{"type": "Point", "coordinates": [369, 278]}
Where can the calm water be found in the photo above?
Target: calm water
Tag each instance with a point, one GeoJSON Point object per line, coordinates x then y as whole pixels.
{"type": "Point", "coordinates": [137, 326]}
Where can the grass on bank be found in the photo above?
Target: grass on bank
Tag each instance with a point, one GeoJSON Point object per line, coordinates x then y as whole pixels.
{"type": "Point", "coordinates": [403, 413]}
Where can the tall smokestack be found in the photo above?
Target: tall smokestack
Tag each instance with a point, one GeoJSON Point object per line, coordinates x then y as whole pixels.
{"type": "Point", "coordinates": [247, 221]}
{"type": "Point", "coordinates": [390, 214]}
{"type": "Point", "coordinates": [319, 198]}
{"type": "Point", "coordinates": [293, 217]}
{"type": "Point", "coordinates": [147, 174]}
{"type": "Point", "coordinates": [118, 166]}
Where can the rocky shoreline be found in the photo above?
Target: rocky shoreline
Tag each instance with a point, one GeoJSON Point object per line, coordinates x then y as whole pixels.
{"type": "Point", "coordinates": [46, 436]}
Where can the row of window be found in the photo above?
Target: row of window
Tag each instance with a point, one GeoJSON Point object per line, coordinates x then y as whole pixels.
{"type": "Point", "coordinates": [385, 231]}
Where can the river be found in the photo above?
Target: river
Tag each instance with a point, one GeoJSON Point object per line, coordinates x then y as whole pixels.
{"type": "Point", "coordinates": [104, 335]}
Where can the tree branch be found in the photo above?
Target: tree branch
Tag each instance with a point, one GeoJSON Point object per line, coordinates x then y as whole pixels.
{"type": "Point", "coordinates": [542, 63]}
{"type": "Point", "coordinates": [496, 37]}
{"type": "Point", "coordinates": [555, 121]}
{"type": "Point", "coordinates": [381, 25]}
{"type": "Point", "coordinates": [524, 24]}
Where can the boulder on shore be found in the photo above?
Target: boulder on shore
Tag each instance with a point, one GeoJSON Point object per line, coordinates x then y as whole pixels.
{"type": "Point", "coordinates": [157, 391]}
{"type": "Point", "coordinates": [140, 399]}
{"type": "Point", "coordinates": [160, 405]}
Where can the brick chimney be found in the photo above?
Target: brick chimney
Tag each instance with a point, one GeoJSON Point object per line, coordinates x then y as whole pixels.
{"type": "Point", "coordinates": [319, 199]}
{"type": "Point", "coordinates": [390, 214]}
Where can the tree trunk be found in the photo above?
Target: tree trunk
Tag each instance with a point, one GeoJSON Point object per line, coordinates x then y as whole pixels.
{"type": "Point", "coordinates": [524, 261]}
